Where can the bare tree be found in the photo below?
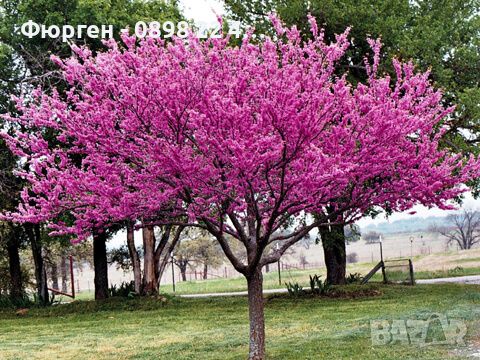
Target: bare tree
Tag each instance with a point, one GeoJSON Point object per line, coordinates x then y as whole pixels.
{"type": "Point", "coordinates": [352, 258]}
{"type": "Point", "coordinates": [303, 259]}
{"type": "Point", "coordinates": [197, 247]}
{"type": "Point", "coordinates": [463, 229]}
{"type": "Point", "coordinates": [371, 237]}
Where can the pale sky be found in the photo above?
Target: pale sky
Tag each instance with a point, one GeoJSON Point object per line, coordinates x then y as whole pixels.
{"type": "Point", "coordinates": [202, 11]}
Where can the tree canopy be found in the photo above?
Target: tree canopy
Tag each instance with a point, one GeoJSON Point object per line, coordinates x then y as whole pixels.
{"type": "Point", "coordinates": [236, 140]}
{"type": "Point", "coordinates": [443, 36]}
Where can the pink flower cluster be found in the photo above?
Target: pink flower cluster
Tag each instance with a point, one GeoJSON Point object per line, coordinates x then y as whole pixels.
{"type": "Point", "coordinates": [258, 133]}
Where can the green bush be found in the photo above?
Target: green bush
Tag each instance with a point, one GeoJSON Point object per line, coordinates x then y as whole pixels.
{"type": "Point", "coordinates": [354, 278]}
{"type": "Point", "coordinates": [456, 271]}
{"type": "Point", "coordinates": [6, 302]}
{"type": "Point", "coordinates": [294, 289]}
{"type": "Point", "coordinates": [319, 287]}
{"type": "Point", "coordinates": [126, 290]}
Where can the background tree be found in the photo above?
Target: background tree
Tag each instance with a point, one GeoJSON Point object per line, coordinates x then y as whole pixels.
{"type": "Point", "coordinates": [158, 242]}
{"type": "Point", "coordinates": [206, 251]}
{"type": "Point", "coordinates": [12, 236]}
{"type": "Point", "coordinates": [303, 260]}
{"type": "Point", "coordinates": [352, 233]}
{"type": "Point", "coordinates": [184, 257]}
{"type": "Point", "coordinates": [195, 248]}
{"type": "Point", "coordinates": [34, 53]}
{"type": "Point", "coordinates": [352, 258]}
{"type": "Point", "coordinates": [371, 237]}
{"type": "Point", "coordinates": [14, 276]}
{"type": "Point", "coordinates": [25, 63]}
{"type": "Point", "coordinates": [156, 253]}
{"type": "Point", "coordinates": [57, 259]}
{"type": "Point", "coordinates": [443, 36]}
{"type": "Point", "coordinates": [120, 257]}
{"type": "Point", "coordinates": [464, 230]}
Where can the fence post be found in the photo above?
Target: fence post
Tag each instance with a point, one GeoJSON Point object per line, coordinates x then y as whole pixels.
{"type": "Point", "coordinates": [412, 275]}
{"type": "Point", "coordinates": [381, 260]}
{"type": "Point", "coordinates": [279, 273]}
{"type": "Point", "coordinates": [72, 279]}
{"type": "Point", "coordinates": [173, 274]}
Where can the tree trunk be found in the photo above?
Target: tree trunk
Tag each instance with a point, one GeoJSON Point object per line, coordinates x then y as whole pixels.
{"type": "Point", "coordinates": [64, 273]}
{"type": "Point", "coordinates": [54, 275]}
{"type": "Point", "coordinates": [161, 266]}
{"type": "Point", "coordinates": [267, 268]}
{"type": "Point", "coordinates": [16, 282]}
{"type": "Point", "coordinates": [333, 240]}
{"type": "Point", "coordinates": [165, 251]}
{"type": "Point", "coordinates": [256, 315]}
{"type": "Point", "coordinates": [205, 271]}
{"type": "Point", "coordinates": [149, 278]}
{"type": "Point", "coordinates": [137, 272]}
{"type": "Point", "coordinates": [100, 265]}
{"type": "Point", "coordinates": [33, 233]}
{"type": "Point", "coordinates": [183, 270]}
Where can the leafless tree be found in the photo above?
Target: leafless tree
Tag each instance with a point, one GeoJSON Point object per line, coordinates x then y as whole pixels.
{"type": "Point", "coordinates": [303, 259]}
{"type": "Point", "coordinates": [463, 229]}
{"type": "Point", "coordinates": [352, 258]}
{"type": "Point", "coordinates": [371, 237]}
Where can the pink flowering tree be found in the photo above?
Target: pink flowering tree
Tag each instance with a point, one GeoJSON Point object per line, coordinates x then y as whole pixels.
{"type": "Point", "coordinates": [242, 141]}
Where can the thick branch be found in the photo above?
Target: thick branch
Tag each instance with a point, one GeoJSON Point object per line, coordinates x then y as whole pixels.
{"type": "Point", "coordinates": [237, 264]}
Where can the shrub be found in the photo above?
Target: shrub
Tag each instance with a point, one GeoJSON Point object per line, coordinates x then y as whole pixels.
{"type": "Point", "coordinates": [318, 286]}
{"type": "Point", "coordinates": [7, 302]}
{"type": "Point", "coordinates": [294, 289]}
{"type": "Point", "coordinates": [126, 290]}
{"type": "Point", "coordinates": [352, 258]}
{"type": "Point", "coordinates": [353, 278]}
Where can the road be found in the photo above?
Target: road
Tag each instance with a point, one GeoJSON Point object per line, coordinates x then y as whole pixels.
{"type": "Point", "coordinates": [472, 279]}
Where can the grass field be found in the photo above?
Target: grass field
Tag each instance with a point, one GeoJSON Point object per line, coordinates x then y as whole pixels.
{"type": "Point", "coordinates": [299, 276]}
{"type": "Point", "coordinates": [438, 265]}
{"type": "Point", "coordinates": [271, 280]}
{"type": "Point", "coordinates": [449, 264]}
{"type": "Point", "coordinates": [217, 328]}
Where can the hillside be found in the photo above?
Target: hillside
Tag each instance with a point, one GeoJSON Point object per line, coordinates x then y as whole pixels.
{"type": "Point", "coordinates": [413, 224]}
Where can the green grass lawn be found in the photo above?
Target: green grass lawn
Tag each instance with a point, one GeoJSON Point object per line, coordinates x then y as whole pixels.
{"type": "Point", "coordinates": [459, 271]}
{"type": "Point", "coordinates": [299, 276]}
{"type": "Point", "coordinates": [271, 280]}
{"type": "Point", "coordinates": [455, 272]}
{"type": "Point", "coordinates": [217, 328]}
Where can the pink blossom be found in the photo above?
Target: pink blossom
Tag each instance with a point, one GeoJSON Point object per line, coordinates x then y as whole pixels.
{"type": "Point", "coordinates": [256, 133]}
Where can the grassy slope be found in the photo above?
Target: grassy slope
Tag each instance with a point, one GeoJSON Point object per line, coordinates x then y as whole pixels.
{"type": "Point", "coordinates": [217, 328]}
